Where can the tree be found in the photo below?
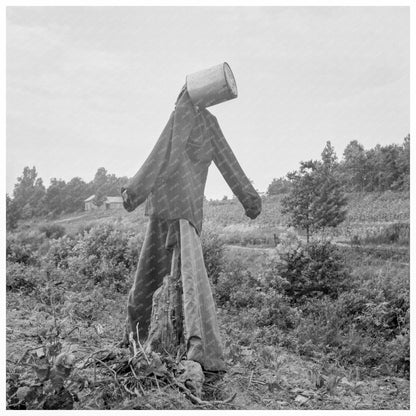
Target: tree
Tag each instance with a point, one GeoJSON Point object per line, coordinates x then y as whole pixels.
{"type": "Point", "coordinates": [354, 167]}
{"type": "Point", "coordinates": [378, 169]}
{"type": "Point", "coordinates": [76, 191]}
{"type": "Point", "coordinates": [12, 215]}
{"type": "Point", "coordinates": [316, 199]}
{"type": "Point", "coordinates": [105, 184]}
{"type": "Point", "coordinates": [278, 186]}
{"type": "Point", "coordinates": [28, 194]}
{"type": "Point", "coordinates": [403, 165]}
{"type": "Point", "coordinates": [56, 198]}
{"type": "Point", "coordinates": [329, 157]}
{"type": "Point", "coordinates": [98, 185]}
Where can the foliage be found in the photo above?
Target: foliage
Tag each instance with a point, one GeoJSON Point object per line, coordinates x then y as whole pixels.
{"type": "Point", "coordinates": [360, 326]}
{"type": "Point", "coordinates": [278, 186]}
{"type": "Point", "coordinates": [263, 295]}
{"type": "Point", "coordinates": [28, 194]}
{"type": "Point", "coordinates": [213, 250]}
{"type": "Point", "coordinates": [60, 251]}
{"type": "Point", "coordinates": [316, 200]}
{"type": "Point", "coordinates": [12, 214]}
{"type": "Point", "coordinates": [105, 184]}
{"type": "Point", "coordinates": [396, 233]}
{"type": "Point", "coordinates": [54, 231]}
{"type": "Point", "coordinates": [76, 191]}
{"type": "Point", "coordinates": [31, 199]}
{"type": "Point", "coordinates": [56, 197]}
{"type": "Point", "coordinates": [23, 277]}
{"type": "Point", "coordinates": [105, 254]}
{"type": "Point", "coordinates": [22, 247]}
{"type": "Point", "coordinates": [312, 270]}
{"type": "Point", "coordinates": [379, 169]}
{"type": "Point", "coordinates": [358, 317]}
{"type": "Point", "coordinates": [353, 314]}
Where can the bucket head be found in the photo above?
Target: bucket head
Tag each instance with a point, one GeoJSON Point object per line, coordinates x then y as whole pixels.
{"type": "Point", "coordinates": [211, 86]}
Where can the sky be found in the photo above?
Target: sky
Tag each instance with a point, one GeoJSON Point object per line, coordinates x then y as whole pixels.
{"type": "Point", "coordinates": [90, 87]}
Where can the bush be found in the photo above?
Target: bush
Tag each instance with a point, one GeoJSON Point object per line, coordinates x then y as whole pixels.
{"type": "Point", "coordinates": [366, 326]}
{"type": "Point", "coordinates": [397, 233]}
{"type": "Point", "coordinates": [23, 247]}
{"type": "Point", "coordinates": [274, 309]}
{"type": "Point", "coordinates": [399, 353]}
{"type": "Point", "coordinates": [235, 287]}
{"type": "Point", "coordinates": [23, 278]}
{"type": "Point", "coordinates": [53, 231]}
{"type": "Point", "coordinates": [60, 251]}
{"type": "Point", "coordinates": [311, 270]}
{"type": "Point", "coordinates": [106, 255]}
{"type": "Point", "coordinates": [262, 297]}
{"type": "Point", "coordinates": [213, 249]}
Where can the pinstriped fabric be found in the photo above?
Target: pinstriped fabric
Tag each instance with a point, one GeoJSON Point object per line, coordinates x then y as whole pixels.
{"type": "Point", "coordinates": [173, 177]}
{"type": "Point", "coordinates": [172, 182]}
{"type": "Point", "coordinates": [201, 329]}
{"type": "Point", "coordinates": [154, 265]}
{"type": "Point", "coordinates": [200, 322]}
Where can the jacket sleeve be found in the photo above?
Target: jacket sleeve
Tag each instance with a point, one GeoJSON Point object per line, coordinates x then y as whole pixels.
{"type": "Point", "coordinates": [141, 184]}
{"type": "Point", "coordinates": [165, 157]}
{"type": "Point", "coordinates": [232, 172]}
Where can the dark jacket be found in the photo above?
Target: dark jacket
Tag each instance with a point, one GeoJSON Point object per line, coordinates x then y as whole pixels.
{"type": "Point", "coordinates": [173, 177]}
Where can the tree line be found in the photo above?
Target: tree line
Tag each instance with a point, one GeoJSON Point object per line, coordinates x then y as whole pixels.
{"type": "Point", "coordinates": [32, 199]}
{"type": "Point", "coordinates": [315, 193]}
{"type": "Point", "coordinates": [379, 169]}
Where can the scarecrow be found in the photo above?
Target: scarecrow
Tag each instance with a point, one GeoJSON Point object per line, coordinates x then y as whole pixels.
{"type": "Point", "coordinates": [172, 182]}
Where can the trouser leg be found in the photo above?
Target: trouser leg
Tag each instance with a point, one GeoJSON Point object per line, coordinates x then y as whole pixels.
{"type": "Point", "coordinates": [201, 327]}
{"type": "Point", "coordinates": [154, 264]}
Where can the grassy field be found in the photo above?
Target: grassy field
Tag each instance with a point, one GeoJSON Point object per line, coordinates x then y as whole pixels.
{"type": "Point", "coordinates": [346, 350]}
{"type": "Point", "coordinates": [368, 216]}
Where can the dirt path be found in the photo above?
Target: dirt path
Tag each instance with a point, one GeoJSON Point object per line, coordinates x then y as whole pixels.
{"type": "Point", "coordinates": [70, 219]}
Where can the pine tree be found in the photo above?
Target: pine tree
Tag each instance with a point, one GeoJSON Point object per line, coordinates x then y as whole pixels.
{"type": "Point", "coordinates": [28, 194]}
{"type": "Point", "coordinates": [316, 199]}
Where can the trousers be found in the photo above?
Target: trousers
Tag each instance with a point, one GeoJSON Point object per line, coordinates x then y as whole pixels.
{"type": "Point", "coordinates": [200, 324]}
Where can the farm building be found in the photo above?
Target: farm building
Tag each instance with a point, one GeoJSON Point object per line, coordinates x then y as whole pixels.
{"type": "Point", "coordinates": [113, 202]}
{"type": "Point", "coordinates": [90, 203]}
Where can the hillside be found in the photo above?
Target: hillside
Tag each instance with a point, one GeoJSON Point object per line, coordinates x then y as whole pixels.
{"type": "Point", "coordinates": [367, 213]}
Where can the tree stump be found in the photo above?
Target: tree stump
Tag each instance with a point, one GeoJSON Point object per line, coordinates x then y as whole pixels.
{"type": "Point", "coordinates": [166, 324]}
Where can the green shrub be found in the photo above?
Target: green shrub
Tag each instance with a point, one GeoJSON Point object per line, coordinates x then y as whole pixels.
{"type": "Point", "coordinates": [311, 270]}
{"type": "Point", "coordinates": [359, 327]}
{"type": "Point", "coordinates": [399, 353]}
{"type": "Point", "coordinates": [106, 254]}
{"type": "Point", "coordinates": [22, 247]}
{"type": "Point", "coordinates": [111, 243]}
{"type": "Point", "coordinates": [261, 296]}
{"type": "Point", "coordinates": [54, 231]}
{"type": "Point", "coordinates": [235, 287]}
{"type": "Point", "coordinates": [397, 233]}
{"type": "Point", "coordinates": [18, 278]}
{"type": "Point", "coordinates": [60, 251]}
{"type": "Point", "coordinates": [274, 309]}
{"type": "Point", "coordinates": [23, 278]}
{"type": "Point", "coordinates": [213, 249]}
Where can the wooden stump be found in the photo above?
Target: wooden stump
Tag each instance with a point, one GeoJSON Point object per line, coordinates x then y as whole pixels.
{"type": "Point", "coordinates": [166, 323]}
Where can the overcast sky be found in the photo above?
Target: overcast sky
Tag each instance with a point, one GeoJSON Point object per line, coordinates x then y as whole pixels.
{"type": "Point", "coordinates": [94, 86]}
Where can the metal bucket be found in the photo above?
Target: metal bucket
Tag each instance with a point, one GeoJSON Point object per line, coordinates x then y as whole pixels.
{"type": "Point", "coordinates": [211, 86]}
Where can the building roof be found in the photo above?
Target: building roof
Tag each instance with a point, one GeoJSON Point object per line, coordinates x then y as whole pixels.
{"type": "Point", "coordinates": [90, 198]}
{"type": "Point", "coordinates": [114, 200]}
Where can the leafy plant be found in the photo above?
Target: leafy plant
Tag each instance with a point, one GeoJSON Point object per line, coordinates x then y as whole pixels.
{"type": "Point", "coordinates": [316, 199]}
{"type": "Point", "coordinates": [311, 270]}
{"type": "Point", "coordinates": [54, 231]}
